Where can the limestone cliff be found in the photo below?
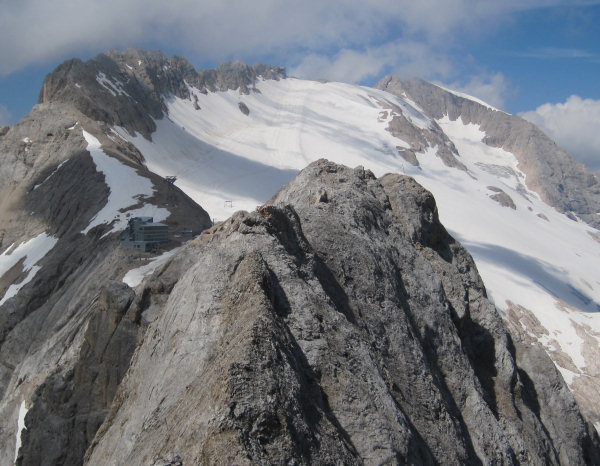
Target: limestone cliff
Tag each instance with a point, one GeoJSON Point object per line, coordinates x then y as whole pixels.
{"type": "Point", "coordinates": [62, 351]}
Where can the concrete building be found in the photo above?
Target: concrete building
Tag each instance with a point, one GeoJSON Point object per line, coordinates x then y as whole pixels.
{"type": "Point", "coordinates": [142, 233]}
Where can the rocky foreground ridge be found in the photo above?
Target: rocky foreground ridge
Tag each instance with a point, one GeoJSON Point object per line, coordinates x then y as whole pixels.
{"type": "Point", "coordinates": [338, 323]}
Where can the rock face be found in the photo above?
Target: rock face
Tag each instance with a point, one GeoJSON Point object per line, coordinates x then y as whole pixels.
{"type": "Point", "coordinates": [64, 344]}
{"type": "Point", "coordinates": [561, 181]}
{"type": "Point", "coordinates": [337, 323]}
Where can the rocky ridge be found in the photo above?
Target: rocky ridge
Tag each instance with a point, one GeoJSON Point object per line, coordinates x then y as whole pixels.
{"type": "Point", "coordinates": [128, 88]}
{"type": "Point", "coordinates": [281, 292]}
{"type": "Point", "coordinates": [337, 323]}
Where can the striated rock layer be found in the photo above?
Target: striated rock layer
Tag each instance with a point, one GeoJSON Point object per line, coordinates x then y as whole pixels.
{"type": "Point", "coordinates": [338, 323]}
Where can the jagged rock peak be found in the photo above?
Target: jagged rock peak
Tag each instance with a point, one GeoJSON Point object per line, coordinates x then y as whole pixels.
{"type": "Point", "coordinates": [128, 88]}
{"type": "Point", "coordinates": [338, 323]}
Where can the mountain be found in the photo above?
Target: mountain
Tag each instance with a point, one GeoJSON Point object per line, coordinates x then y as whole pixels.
{"type": "Point", "coordinates": [556, 177]}
{"type": "Point", "coordinates": [337, 322]}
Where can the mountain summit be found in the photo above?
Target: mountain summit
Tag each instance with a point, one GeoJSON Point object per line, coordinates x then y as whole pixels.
{"type": "Point", "coordinates": [323, 313]}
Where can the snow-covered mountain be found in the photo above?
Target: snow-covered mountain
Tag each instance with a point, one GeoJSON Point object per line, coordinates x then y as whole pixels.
{"type": "Point", "coordinates": [231, 151]}
{"type": "Point", "coordinates": [233, 137]}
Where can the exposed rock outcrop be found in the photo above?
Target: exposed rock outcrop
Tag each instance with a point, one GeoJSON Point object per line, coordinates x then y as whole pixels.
{"type": "Point", "coordinates": [501, 197]}
{"type": "Point", "coordinates": [337, 323]}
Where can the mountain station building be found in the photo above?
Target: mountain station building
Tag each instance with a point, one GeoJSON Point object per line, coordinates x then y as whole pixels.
{"type": "Point", "coordinates": [142, 233]}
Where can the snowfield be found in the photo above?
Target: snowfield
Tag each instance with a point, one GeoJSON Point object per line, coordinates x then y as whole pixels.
{"type": "Point", "coordinates": [127, 189]}
{"type": "Point", "coordinates": [226, 160]}
{"type": "Point", "coordinates": [530, 255]}
{"type": "Point", "coordinates": [20, 427]}
{"type": "Point", "coordinates": [135, 276]}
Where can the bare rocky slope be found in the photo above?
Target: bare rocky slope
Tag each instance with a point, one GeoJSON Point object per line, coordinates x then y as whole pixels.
{"type": "Point", "coordinates": [560, 180]}
{"type": "Point", "coordinates": [338, 323]}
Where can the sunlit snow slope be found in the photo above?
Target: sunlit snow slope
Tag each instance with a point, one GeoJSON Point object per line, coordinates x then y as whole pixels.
{"type": "Point", "coordinates": [219, 154]}
{"type": "Point", "coordinates": [537, 264]}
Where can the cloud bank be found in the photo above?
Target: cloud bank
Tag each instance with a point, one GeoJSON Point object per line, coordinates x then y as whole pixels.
{"type": "Point", "coordinates": [574, 125]}
{"type": "Point", "coordinates": [332, 36]}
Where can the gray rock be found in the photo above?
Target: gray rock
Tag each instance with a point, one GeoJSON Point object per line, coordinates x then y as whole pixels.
{"type": "Point", "coordinates": [420, 139]}
{"type": "Point", "coordinates": [49, 356]}
{"type": "Point", "coordinates": [244, 108]}
{"type": "Point", "coordinates": [502, 198]}
{"type": "Point", "coordinates": [337, 323]}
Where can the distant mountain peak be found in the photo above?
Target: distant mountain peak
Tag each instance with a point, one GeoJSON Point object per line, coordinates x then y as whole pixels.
{"type": "Point", "coordinates": [128, 88]}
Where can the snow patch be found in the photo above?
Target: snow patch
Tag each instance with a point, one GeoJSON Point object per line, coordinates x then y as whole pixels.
{"type": "Point", "coordinates": [50, 175]}
{"type": "Point", "coordinates": [20, 427]}
{"type": "Point", "coordinates": [115, 88]}
{"type": "Point", "coordinates": [135, 276]}
{"type": "Point", "coordinates": [127, 189]}
{"type": "Point", "coordinates": [469, 97]}
{"type": "Point", "coordinates": [32, 251]}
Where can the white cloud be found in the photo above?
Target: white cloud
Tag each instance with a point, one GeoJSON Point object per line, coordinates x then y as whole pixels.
{"type": "Point", "coordinates": [490, 88]}
{"type": "Point", "coordinates": [403, 58]}
{"type": "Point", "coordinates": [558, 53]}
{"type": "Point", "coordinates": [574, 125]}
{"type": "Point", "coordinates": [34, 31]}
{"type": "Point", "coordinates": [5, 116]}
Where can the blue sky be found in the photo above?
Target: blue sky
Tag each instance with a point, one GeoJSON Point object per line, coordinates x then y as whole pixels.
{"type": "Point", "coordinates": [538, 58]}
